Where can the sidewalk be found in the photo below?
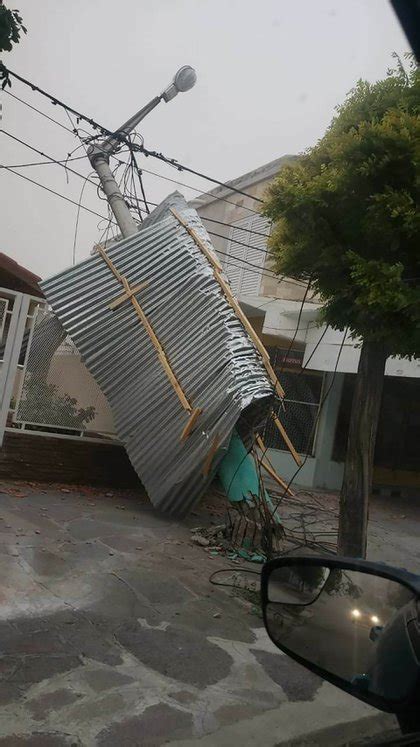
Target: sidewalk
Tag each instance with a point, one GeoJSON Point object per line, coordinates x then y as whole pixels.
{"type": "Point", "coordinates": [112, 635]}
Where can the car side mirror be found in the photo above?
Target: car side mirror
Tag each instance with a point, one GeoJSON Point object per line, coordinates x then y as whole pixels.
{"type": "Point", "coordinates": [354, 623]}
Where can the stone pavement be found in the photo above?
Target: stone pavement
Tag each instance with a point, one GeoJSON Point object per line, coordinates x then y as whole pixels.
{"type": "Point", "coordinates": [111, 635]}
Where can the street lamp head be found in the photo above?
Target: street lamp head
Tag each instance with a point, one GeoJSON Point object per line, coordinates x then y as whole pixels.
{"type": "Point", "coordinates": [183, 80]}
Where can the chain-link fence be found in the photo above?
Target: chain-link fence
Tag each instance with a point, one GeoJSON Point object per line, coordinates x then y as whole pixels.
{"type": "Point", "coordinates": [57, 392]}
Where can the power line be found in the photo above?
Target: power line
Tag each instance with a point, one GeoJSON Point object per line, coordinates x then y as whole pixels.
{"type": "Point", "coordinates": [79, 205]}
{"type": "Point", "coordinates": [257, 271]}
{"type": "Point", "coordinates": [39, 163]}
{"type": "Point", "coordinates": [146, 171]}
{"type": "Point", "coordinates": [52, 191]}
{"type": "Point", "coordinates": [154, 154]}
{"type": "Point", "coordinates": [51, 159]}
{"type": "Point", "coordinates": [88, 179]}
{"type": "Point", "coordinates": [315, 423]}
{"type": "Point", "coordinates": [297, 323]}
{"type": "Point", "coordinates": [39, 111]}
{"type": "Point", "coordinates": [200, 191]}
{"type": "Point", "coordinates": [232, 225]}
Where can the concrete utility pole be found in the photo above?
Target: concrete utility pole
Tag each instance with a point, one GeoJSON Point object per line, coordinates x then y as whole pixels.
{"type": "Point", "coordinates": [99, 155]}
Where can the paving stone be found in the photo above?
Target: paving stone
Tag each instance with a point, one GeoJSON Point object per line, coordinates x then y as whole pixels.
{"type": "Point", "coordinates": [10, 693]}
{"type": "Point", "coordinates": [40, 707]}
{"type": "Point", "coordinates": [105, 679]}
{"type": "Point", "coordinates": [87, 710]}
{"type": "Point", "coordinates": [174, 652]}
{"type": "Point", "coordinates": [296, 681]}
{"type": "Point", "coordinates": [156, 725]}
{"type": "Point", "coordinates": [183, 696]}
{"type": "Point", "coordinates": [37, 668]}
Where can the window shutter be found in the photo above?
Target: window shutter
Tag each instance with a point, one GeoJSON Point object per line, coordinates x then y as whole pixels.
{"type": "Point", "coordinates": [245, 280]}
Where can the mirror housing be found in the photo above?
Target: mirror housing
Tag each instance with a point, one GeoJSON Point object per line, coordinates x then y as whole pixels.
{"type": "Point", "coordinates": [352, 622]}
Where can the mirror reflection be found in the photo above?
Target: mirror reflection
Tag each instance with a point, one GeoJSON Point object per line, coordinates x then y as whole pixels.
{"type": "Point", "coordinates": [351, 624]}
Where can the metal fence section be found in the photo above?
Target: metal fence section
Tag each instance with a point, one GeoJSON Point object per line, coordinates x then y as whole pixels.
{"type": "Point", "coordinates": [57, 393]}
{"type": "Point", "coordinates": [211, 355]}
{"type": "Point", "coordinates": [298, 412]}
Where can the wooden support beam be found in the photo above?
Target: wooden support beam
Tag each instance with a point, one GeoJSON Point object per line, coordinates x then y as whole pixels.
{"type": "Point", "coordinates": [191, 423]}
{"type": "Point", "coordinates": [133, 290]}
{"type": "Point", "coordinates": [149, 329]}
{"type": "Point", "coordinates": [198, 240]}
{"type": "Point", "coordinates": [209, 458]}
{"type": "Point", "coordinates": [276, 477]}
{"type": "Point", "coordinates": [110, 263]}
{"type": "Point", "coordinates": [217, 269]}
{"type": "Point", "coordinates": [265, 462]}
{"type": "Point", "coordinates": [286, 438]}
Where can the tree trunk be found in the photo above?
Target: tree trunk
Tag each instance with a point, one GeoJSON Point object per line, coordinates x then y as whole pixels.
{"type": "Point", "coordinates": [357, 482]}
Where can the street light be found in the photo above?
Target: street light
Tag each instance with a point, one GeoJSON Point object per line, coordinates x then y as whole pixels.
{"type": "Point", "coordinates": [99, 154]}
{"type": "Point", "coordinates": [183, 80]}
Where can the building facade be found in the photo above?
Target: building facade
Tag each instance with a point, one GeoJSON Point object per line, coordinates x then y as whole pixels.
{"type": "Point", "coordinates": [316, 365]}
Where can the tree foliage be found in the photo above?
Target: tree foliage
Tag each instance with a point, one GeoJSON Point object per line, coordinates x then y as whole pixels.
{"type": "Point", "coordinates": [11, 27]}
{"type": "Point", "coordinates": [347, 214]}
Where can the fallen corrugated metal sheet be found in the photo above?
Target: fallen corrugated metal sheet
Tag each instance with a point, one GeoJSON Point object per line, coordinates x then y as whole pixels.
{"type": "Point", "coordinates": [209, 351]}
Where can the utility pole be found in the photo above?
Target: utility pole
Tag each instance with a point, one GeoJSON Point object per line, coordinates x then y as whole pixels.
{"type": "Point", "coordinates": [99, 155]}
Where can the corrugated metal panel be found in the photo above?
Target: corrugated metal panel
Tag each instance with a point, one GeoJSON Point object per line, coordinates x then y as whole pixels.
{"type": "Point", "coordinates": [211, 354]}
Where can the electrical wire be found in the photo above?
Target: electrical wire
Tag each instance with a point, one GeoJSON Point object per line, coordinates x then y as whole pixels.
{"type": "Point", "coordinates": [231, 225]}
{"type": "Point", "coordinates": [268, 273]}
{"type": "Point", "coordinates": [73, 171]}
{"type": "Point", "coordinates": [5, 90]}
{"type": "Point", "coordinates": [52, 191]}
{"type": "Point", "coordinates": [153, 154]}
{"type": "Point", "coordinates": [88, 179]}
{"type": "Point", "coordinates": [45, 155]}
{"type": "Point", "coordinates": [315, 423]}
{"type": "Point", "coordinates": [200, 191]}
{"type": "Point", "coordinates": [245, 264]}
{"type": "Point", "coordinates": [242, 243]}
{"type": "Point", "coordinates": [79, 206]}
{"type": "Point", "coordinates": [297, 325]}
{"type": "Point", "coordinates": [139, 174]}
{"type": "Point", "coordinates": [147, 171]}
{"type": "Point", "coordinates": [40, 163]}
{"type": "Point", "coordinates": [230, 570]}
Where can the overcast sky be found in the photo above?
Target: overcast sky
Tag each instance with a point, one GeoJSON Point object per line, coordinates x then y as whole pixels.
{"type": "Point", "coordinates": [269, 75]}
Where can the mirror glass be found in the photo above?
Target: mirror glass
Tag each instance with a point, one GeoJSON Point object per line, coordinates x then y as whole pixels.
{"type": "Point", "coordinates": [351, 624]}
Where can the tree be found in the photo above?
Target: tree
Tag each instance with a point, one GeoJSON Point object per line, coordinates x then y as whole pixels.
{"type": "Point", "coordinates": [347, 220]}
{"type": "Point", "coordinates": [11, 26]}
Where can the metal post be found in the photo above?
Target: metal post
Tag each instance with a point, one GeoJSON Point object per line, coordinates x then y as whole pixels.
{"type": "Point", "coordinates": [125, 220]}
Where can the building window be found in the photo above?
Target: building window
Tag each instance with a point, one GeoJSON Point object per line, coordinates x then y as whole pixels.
{"type": "Point", "coordinates": [246, 280]}
{"type": "Point", "coordinates": [303, 393]}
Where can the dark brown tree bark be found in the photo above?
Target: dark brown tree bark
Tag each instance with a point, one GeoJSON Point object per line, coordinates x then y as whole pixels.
{"type": "Point", "coordinates": [357, 482]}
